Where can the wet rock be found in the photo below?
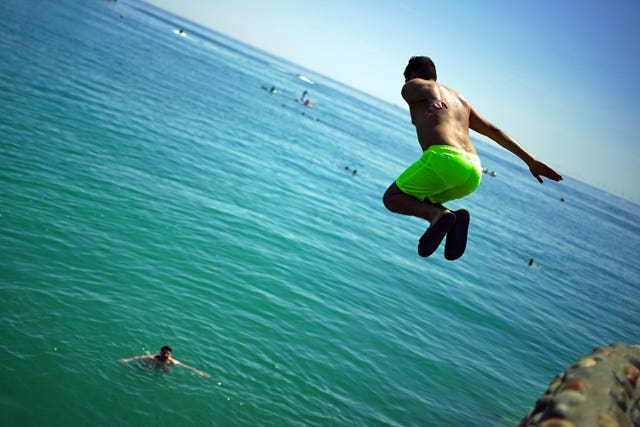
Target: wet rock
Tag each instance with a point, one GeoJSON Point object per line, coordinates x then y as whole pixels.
{"type": "Point", "coordinates": [600, 390]}
{"type": "Point", "coordinates": [556, 422]}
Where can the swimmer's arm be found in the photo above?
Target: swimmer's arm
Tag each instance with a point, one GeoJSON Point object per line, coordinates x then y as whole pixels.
{"type": "Point", "coordinates": [178, 363]}
{"type": "Point", "coordinates": [419, 90]}
{"type": "Point", "coordinates": [486, 128]}
{"type": "Point", "coordinates": [131, 359]}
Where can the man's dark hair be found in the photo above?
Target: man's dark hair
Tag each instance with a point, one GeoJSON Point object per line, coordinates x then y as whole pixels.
{"type": "Point", "coordinates": [422, 66]}
{"type": "Point", "coordinates": [167, 348]}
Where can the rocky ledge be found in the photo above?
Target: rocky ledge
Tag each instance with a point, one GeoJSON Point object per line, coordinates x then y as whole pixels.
{"type": "Point", "coordinates": [602, 389]}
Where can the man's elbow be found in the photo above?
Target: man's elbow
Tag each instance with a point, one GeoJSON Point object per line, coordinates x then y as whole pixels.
{"type": "Point", "coordinates": [494, 131]}
{"type": "Point", "coordinates": [487, 129]}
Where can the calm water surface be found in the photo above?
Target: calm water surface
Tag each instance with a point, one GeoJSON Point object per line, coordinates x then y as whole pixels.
{"type": "Point", "coordinates": [151, 193]}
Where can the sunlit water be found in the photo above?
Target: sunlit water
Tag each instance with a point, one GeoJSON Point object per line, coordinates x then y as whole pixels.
{"type": "Point", "coordinates": [151, 193]}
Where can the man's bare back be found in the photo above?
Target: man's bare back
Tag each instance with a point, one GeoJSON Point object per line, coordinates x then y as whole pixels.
{"type": "Point", "coordinates": [440, 114]}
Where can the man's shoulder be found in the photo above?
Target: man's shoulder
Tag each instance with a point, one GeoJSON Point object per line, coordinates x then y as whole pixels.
{"type": "Point", "coordinates": [416, 90]}
{"type": "Point", "coordinates": [418, 82]}
{"type": "Point", "coordinates": [449, 89]}
{"type": "Point", "coordinates": [454, 93]}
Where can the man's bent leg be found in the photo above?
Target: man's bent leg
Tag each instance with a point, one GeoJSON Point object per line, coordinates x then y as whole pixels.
{"type": "Point", "coordinates": [399, 202]}
{"type": "Point", "coordinates": [441, 218]}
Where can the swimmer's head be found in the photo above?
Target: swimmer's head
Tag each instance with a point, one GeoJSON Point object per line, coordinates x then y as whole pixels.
{"type": "Point", "coordinates": [421, 67]}
{"type": "Point", "coordinates": [165, 353]}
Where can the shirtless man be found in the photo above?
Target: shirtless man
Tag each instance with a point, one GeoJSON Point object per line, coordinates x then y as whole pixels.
{"type": "Point", "coordinates": [163, 359]}
{"type": "Point", "coordinates": [449, 168]}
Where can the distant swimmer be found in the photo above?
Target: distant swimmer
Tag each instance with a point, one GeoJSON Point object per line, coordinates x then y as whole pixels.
{"type": "Point", "coordinates": [354, 171]}
{"type": "Point", "coordinates": [530, 261]}
{"type": "Point", "coordinates": [270, 89]}
{"type": "Point", "coordinates": [488, 172]}
{"type": "Point", "coordinates": [163, 359]}
{"type": "Point", "coordinates": [304, 99]}
{"type": "Point", "coordinates": [449, 168]}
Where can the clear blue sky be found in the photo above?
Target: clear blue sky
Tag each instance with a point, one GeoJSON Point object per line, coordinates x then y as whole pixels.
{"type": "Point", "coordinates": [560, 76]}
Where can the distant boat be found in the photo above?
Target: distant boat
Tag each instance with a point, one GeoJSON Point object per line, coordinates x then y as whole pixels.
{"type": "Point", "coordinates": [304, 78]}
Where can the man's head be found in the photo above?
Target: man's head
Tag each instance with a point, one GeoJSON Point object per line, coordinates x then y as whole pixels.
{"type": "Point", "coordinates": [420, 67]}
{"type": "Point", "coordinates": [165, 352]}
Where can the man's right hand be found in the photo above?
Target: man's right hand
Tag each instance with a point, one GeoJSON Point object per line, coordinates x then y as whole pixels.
{"type": "Point", "coordinates": [539, 169]}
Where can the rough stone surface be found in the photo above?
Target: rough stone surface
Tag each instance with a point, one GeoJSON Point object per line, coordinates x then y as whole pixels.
{"type": "Point", "coordinates": [602, 389]}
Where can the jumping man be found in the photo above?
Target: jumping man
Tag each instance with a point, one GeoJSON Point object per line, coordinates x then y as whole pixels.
{"type": "Point", "coordinates": [449, 168]}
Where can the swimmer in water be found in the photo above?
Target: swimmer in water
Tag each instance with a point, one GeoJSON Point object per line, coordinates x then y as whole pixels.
{"type": "Point", "coordinates": [163, 360]}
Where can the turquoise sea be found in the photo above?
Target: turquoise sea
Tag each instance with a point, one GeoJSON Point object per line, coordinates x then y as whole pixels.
{"type": "Point", "coordinates": [152, 193]}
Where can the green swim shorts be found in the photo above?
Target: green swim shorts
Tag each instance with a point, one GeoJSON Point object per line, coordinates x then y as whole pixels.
{"type": "Point", "coordinates": [443, 173]}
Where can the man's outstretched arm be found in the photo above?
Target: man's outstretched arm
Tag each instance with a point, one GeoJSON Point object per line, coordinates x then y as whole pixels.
{"type": "Point", "coordinates": [131, 359]}
{"type": "Point", "coordinates": [488, 129]}
{"type": "Point", "coordinates": [202, 374]}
